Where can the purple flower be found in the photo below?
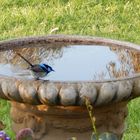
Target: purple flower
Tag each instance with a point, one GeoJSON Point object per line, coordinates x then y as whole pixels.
{"type": "Point", "coordinates": [2, 132]}
{"type": "Point", "coordinates": [7, 138]}
{"type": "Point", "coordinates": [3, 136]}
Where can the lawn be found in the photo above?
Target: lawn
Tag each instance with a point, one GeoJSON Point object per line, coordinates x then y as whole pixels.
{"type": "Point", "coordinates": [116, 19]}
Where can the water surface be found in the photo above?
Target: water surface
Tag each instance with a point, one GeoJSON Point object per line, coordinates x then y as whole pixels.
{"type": "Point", "coordinates": [72, 63]}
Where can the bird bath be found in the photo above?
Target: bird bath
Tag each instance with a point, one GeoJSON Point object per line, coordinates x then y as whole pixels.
{"type": "Point", "coordinates": [106, 71]}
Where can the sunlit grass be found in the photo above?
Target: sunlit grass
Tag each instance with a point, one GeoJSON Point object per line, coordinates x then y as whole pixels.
{"type": "Point", "coordinates": [5, 117]}
{"type": "Point", "coordinates": [113, 19]}
{"type": "Point", "coordinates": [133, 121]}
{"type": "Point", "coordinates": [117, 19]}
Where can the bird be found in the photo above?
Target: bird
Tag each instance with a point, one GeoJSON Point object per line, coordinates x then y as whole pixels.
{"type": "Point", "coordinates": [38, 70]}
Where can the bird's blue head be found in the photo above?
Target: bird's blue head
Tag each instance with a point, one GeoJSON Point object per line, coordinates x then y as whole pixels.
{"type": "Point", "coordinates": [46, 68]}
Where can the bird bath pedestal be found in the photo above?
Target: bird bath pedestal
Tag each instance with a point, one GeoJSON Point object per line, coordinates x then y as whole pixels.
{"type": "Point", "coordinates": [55, 109]}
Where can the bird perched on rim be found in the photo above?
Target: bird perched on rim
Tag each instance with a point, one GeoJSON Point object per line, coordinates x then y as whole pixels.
{"type": "Point", "coordinates": [38, 70]}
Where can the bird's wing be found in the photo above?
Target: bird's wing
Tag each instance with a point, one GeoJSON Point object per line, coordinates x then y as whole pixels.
{"type": "Point", "coordinates": [37, 68]}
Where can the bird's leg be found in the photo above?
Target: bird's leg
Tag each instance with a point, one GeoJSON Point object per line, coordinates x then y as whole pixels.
{"type": "Point", "coordinates": [37, 78]}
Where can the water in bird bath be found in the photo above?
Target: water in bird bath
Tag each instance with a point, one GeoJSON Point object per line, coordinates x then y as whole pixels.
{"type": "Point", "coordinates": [72, 62]}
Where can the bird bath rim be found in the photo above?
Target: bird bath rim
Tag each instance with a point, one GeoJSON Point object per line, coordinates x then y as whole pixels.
{"type": "Point", "coordinates": [68, 93]}
{"type": "Point", "coordinates": [72, 40]}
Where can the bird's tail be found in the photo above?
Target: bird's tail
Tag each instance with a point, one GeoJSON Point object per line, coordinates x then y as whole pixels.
{"type": "Point", "coordinates": [24, 59]}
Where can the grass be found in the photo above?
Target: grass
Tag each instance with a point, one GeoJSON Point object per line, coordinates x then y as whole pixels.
{"type": "Point", "coordinates": [116, 19]}
{"type": "Point", "coordinates": [5, 117]}
{"type": "Point", "coordinates": [133, 121]}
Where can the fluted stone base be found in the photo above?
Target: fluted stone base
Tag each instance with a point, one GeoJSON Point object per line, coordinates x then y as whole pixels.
{"type": "Point", "coordinates": [62, 123]}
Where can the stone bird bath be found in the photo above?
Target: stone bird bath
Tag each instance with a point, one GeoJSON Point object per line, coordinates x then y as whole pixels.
{"type": "Point", "coordinates": [54, 108]}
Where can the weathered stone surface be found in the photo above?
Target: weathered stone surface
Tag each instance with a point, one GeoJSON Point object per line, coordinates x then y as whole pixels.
{"type": "Point", "coordinates": [28, 92]}
{"type": "Point", "coordinates": [68, 95]}
{"type": "Point", "coordinates": [31, 95]}
{"type": "Point", "coordinates": [10, 89]}
{"type": "Point", "coordinates": [56, 123]}
{"type": "Point", "coordinates": [124, 90]}
{"type": "Point", "coordinates": [48, 94]}
{"type": "Point", "coordinates": [107, 93]}
{"type": "Point", "coordinates": [2, 95]}
{"type": "Point", "coordinates": [87, 90]}
{"type": "Point", "coordinates": [136, 88]}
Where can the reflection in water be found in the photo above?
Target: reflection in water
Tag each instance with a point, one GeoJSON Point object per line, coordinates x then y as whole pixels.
{"type": "Point", "coordinates": [76, 62]}
{"type": "Point", "coordinates": [126, 63]}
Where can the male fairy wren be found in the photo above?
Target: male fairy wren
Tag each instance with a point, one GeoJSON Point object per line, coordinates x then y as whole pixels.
{"type": "Point", "coordinates": [38, 70]}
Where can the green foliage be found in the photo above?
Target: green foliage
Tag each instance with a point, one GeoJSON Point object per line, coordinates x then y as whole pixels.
{"type": "Point", "coordinates": [5, 117]}
{"type": "Point", "coordinates": [133, 121]}
{"type": "Point", "coordinates": [95, 135]}
{"type": "Point", "coordinates": [92, 118]}
{"type": "Point", "coordinates": [114, 19]}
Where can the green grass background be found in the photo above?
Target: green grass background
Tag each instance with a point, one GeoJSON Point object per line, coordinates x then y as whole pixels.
{"type": "Point", "coordinates": [116, 19]}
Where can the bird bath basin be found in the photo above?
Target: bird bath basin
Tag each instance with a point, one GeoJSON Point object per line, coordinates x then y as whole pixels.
{"type": "Point", "coordinates": [103, 70]}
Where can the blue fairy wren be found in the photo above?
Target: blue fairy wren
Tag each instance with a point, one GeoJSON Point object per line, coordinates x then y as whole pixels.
{"type": "Point", "coordinates": [38, 70]}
